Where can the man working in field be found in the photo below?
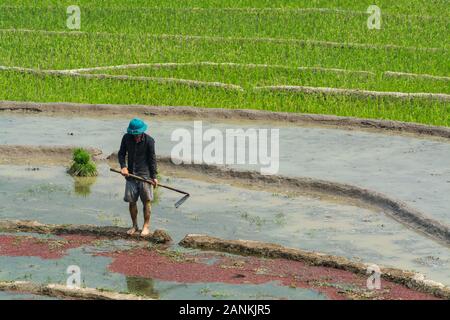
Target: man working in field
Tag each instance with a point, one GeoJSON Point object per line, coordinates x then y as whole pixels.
{"type": "Point", "coordinates": [139, 149]}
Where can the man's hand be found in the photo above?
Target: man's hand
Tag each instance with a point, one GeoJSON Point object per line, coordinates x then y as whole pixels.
{"type": "Point", "coordinates": [155, 182]}
{"type": "Point", "coordinates": [124, 172]}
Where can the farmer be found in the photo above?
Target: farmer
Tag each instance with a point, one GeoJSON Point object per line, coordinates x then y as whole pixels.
{"type": "Point", "coordinates": [141, 159]}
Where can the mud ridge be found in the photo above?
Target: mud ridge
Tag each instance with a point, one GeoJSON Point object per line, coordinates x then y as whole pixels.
{"type": "Point", "coordinates": [409, 279]}
{"type": "Point", "coordinates": [398, 210]}
{"type": "Point", "coordinates": [225, 114]}
{"type": "Point", "coordinates": [110, 232]}
{"type": "Point", "coordinates": [13, 154]}
{"type": "Point", "coordinates": [61, 291]}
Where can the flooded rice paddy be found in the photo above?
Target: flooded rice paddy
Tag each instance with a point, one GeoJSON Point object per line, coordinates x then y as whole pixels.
{"type": "Point", "coordinates": [414, 170]}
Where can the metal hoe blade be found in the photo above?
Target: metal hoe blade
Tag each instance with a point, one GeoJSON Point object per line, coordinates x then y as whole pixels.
{"type": "Point", "coordinates": [181, 201]}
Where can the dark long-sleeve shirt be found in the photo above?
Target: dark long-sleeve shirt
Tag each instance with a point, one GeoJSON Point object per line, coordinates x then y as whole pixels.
{"type": "Point", "coordinates": [141, 158]}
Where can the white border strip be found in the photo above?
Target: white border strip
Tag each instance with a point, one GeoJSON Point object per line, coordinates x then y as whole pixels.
{"type": "Point", "coordinates": [414, 75]}
{"type": "Point", "coordinates": [191, 83]}
{"type": "Point", "coordinates": [247, 39]}
{"type": "Point", "coordinates": [194, 83]}
{"type": "Point", "coordinates": [216, 64]}
{"type": "Point", "coordinates": [246, 10]}
{"type": "Point", "coordinates": [356, 92]}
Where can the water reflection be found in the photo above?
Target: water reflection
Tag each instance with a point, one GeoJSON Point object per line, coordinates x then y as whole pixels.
{"type": "Point", "coordinates": [82, 185]}
{"type": "Point", "coordinates": [142, 287]}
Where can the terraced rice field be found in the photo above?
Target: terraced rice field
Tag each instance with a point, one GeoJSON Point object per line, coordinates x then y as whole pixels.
{"type": "Point", "coordinates": [228, 50]}
{"type": "Point", "coordinates": [366, 191]}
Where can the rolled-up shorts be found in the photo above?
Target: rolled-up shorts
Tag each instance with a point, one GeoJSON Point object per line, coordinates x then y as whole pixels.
{"type": "Point", "coordinates": [137, 189]}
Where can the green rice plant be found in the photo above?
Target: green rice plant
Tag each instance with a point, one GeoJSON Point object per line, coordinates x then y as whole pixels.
{"type": "Point", "coordinates": [250, 76]}
{"type": "Point", "coordinates": [400, 7]}
{"type": "Point", "coordinates": [14, 86]}
{"type": "Point", "coordinates": [324, 25]}
{"type": "Point", "coordinates": [285, 33]}
{"type": "Point", "coordinates": [45, 51]}
{"type": "Point", "coordinates": [280, 219]}
{"type": "Point", "coordinates": [82, 165]}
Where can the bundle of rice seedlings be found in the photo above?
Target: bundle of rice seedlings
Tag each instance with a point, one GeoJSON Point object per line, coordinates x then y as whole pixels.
{"type": "Point", "coordinates": [82, 165]}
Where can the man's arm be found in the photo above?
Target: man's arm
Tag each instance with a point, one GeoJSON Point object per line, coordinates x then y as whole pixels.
{"type": "Point", "coordinates": [153, 168]}
{"type": "Point", "coordinates": [122, 153]}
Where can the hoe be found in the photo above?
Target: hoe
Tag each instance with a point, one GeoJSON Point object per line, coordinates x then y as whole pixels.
{"type": "Point", "coordinates": [177, 204]}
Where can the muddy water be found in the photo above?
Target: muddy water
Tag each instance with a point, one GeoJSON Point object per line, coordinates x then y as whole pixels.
{"type": "Point", "coordinates": [22, 296]}
{"type": "Point", "coordinates": [413, 170]}
{"type": "Point", "coordinates": [49, 195]}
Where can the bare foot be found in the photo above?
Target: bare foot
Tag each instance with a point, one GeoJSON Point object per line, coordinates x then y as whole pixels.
{"type": "Point", "coordinates": [145, 231]}
{"type": "Point", "coordinates": [132, 231]}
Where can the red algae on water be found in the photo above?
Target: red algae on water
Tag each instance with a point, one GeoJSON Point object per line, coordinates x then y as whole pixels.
{"type": "Point", "coordinates": [215, 267]}
{"type": "Point", "coordinates": [51, 248]}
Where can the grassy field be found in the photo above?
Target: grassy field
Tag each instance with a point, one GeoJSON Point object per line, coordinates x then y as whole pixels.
{"type": "Point", "coordinates": [293, 42]}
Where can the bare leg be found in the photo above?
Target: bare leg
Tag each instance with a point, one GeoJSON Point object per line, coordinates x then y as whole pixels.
{"type": "Point", "coordinates": [133, 214]}
{"type": "Point", "coordinates": [147, 213]}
